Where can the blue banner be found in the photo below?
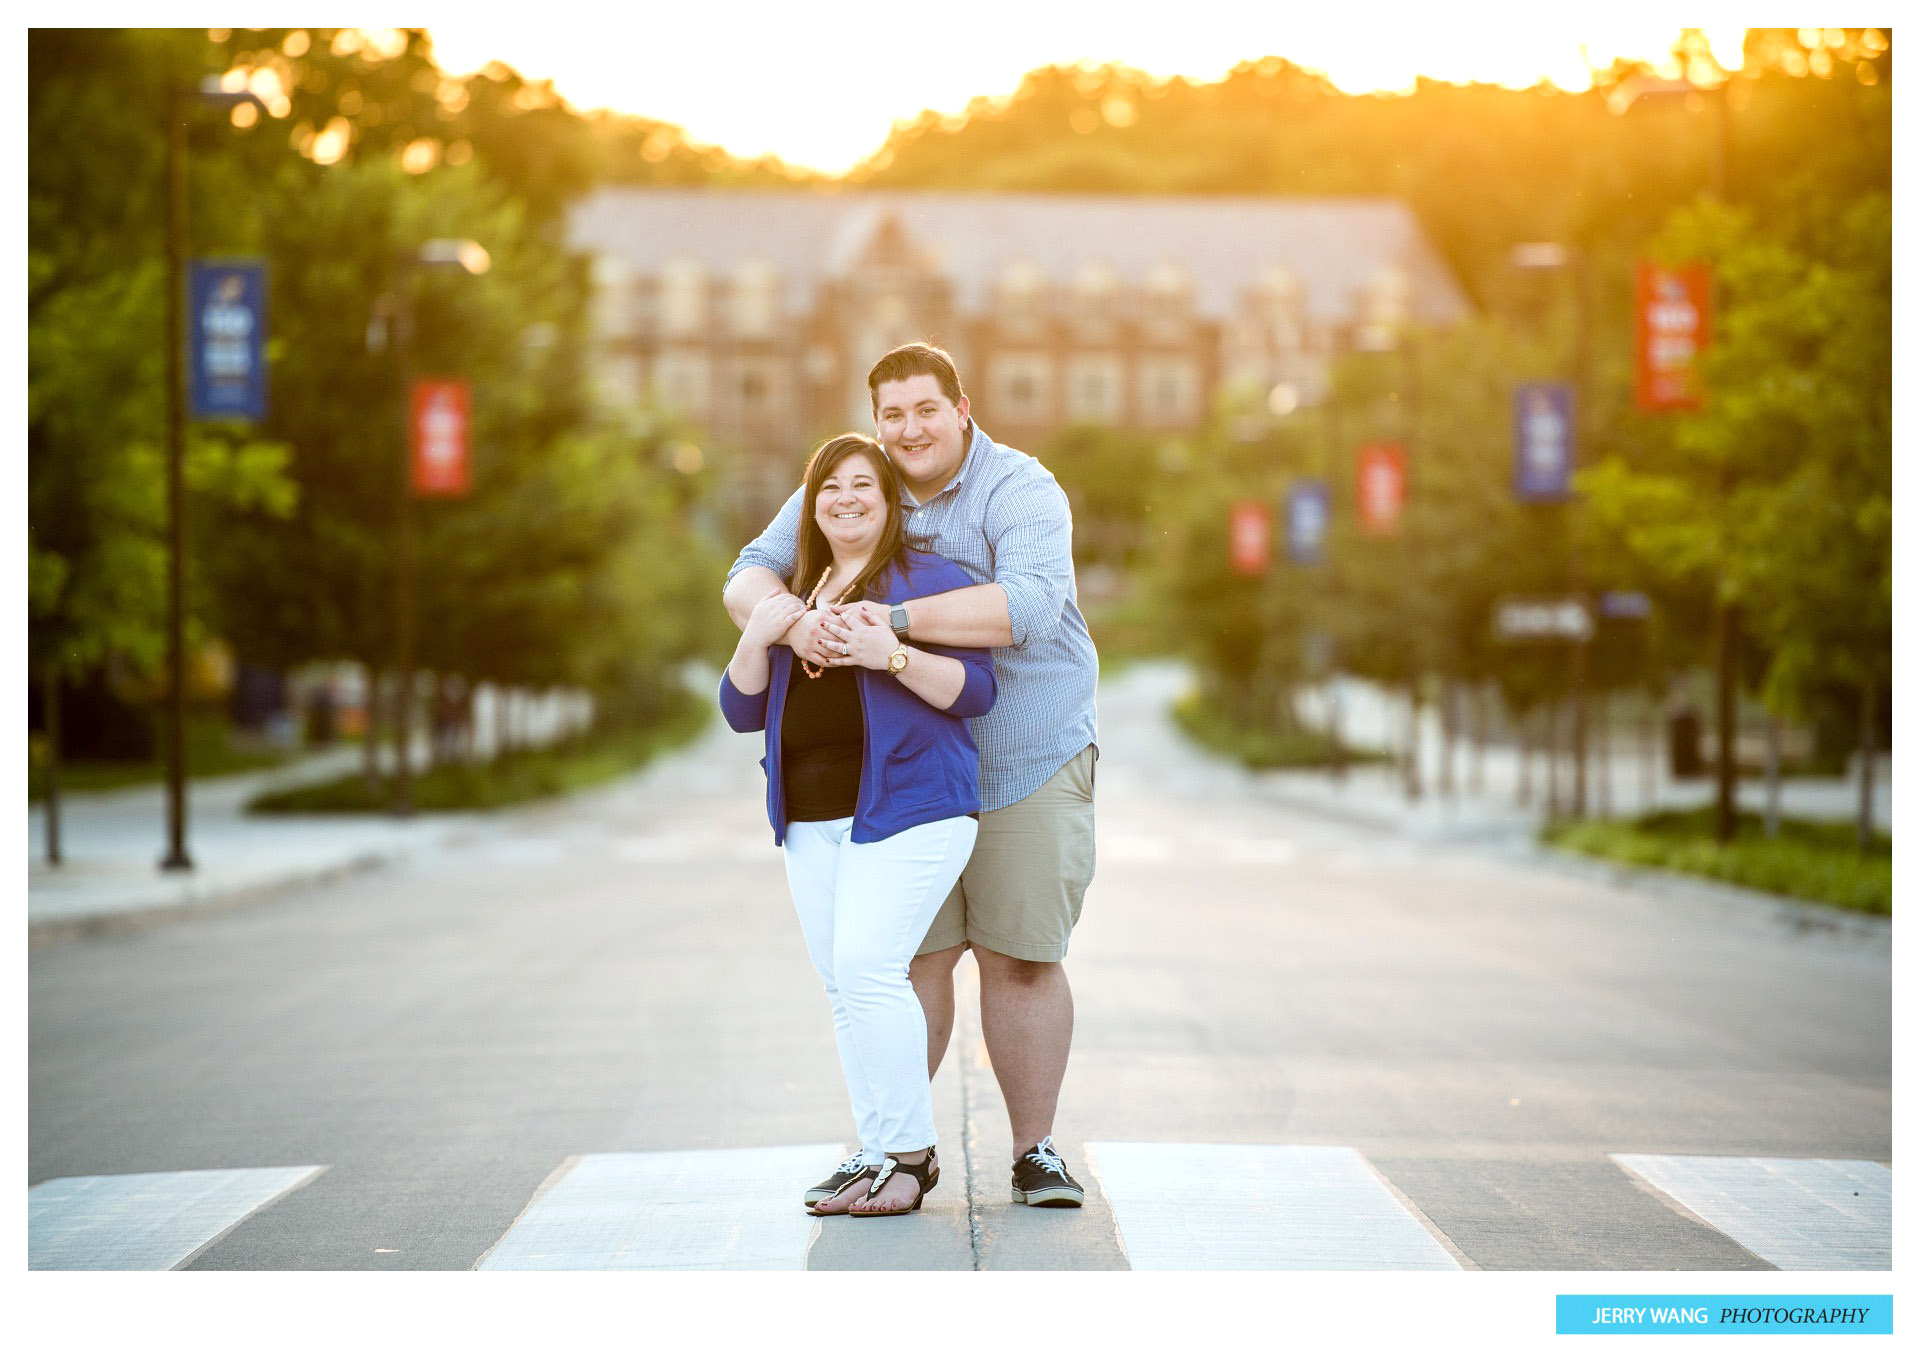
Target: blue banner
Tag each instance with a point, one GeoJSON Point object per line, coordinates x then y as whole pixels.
{"type": "Point", "coordinates": [1309, 511]}
{"type": "Point", "coordinates": [1718, 1315]}
{"type": "Point", "coordinates": [1543, 445]}
{"type": "Point", "coordinates": [226, 341]}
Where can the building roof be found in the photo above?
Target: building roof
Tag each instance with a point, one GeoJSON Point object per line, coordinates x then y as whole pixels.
{"type": "Point", "coordinates": [1335, 245]}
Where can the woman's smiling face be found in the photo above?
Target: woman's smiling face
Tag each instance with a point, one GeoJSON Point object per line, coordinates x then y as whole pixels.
{"type": "Point", "coordinates": [851, 506]}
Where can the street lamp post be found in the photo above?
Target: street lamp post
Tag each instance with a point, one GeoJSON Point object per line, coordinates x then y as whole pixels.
{"type": "Point", "coordinates": [469, 257]}
{"type": "Point", "coordinates": [1559, 257]}
{"type": "Point", "coordinates": [178, 103]}
{"type": "Point", "coordinates": [1390, 329]}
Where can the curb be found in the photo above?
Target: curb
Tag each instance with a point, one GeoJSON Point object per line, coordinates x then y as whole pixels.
{"type": "Point", "coordinates": [212, 898]}
{"type": "Point", "coordinates": [1801, 915]}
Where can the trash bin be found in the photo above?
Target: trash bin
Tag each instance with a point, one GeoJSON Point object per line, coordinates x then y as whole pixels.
{"type": "Point", "coordinates": [1684, 758]}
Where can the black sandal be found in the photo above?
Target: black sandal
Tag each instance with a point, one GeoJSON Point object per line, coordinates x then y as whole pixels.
{"type": "Point", "coordinates": [926, 1173]}
{"type": "Point", "coordinates": [850, 1171]}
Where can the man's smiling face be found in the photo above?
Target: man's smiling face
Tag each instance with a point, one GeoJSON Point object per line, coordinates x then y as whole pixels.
{"type": "Point", "coordinates": [920, 427]}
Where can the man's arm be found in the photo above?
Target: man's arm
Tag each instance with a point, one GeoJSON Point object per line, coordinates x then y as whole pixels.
{"type": "Point", "coordinates": [1031, 530]}
{"type": "Point", "coordinates": [761, 570]}
{"type": "Point", "coordinates": [746, 589]}
{"type": "Point", "coordinates": [973, 616]}
{"type": "Point", "coordinates": [763, 566]}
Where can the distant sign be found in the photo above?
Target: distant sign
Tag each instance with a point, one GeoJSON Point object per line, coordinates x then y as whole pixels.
{"type": "Point", "coordinates": [1670, 306]}
{"type": "Point", "coordinates": [1625, 605]}
{"type": "Point", "coordinates": [226, 341]}
{"type": "Point", "coordinates": [1309, 510]}
{"type": "Point", "coordinates": [1536, 620]}
{"type": "Point", "coordinates": [1543, 446]}
{"type": "Point", "coordinates": [1383, 488]}
{"type": "Point", "coordinates": [440, 438]}
{"type": "Point", "coordinates": [1250, 536]}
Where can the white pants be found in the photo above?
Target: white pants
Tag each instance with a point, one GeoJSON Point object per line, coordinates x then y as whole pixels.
{"type": "Point", "coordinates": [864, 909]}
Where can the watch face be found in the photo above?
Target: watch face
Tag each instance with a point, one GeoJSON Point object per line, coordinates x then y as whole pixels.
{"type": "Point", "coordinates": [898, 661]}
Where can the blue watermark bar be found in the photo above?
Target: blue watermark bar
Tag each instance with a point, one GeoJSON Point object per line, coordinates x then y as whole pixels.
{"type": "Point", "coordinates": [1665, 1315]}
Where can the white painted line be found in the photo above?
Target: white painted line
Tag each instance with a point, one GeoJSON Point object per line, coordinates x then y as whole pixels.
{"type": "Point", "coordinates": [1128, 848]}
{"type": "Point", "coordinates": [1183, 1207]}
{"type": "Point", "coordinates": [144, 1221]}
{"type": "Point", "coordinates": [1259, 851]}
{"type": "Point", "coordinates": [689, 1210]}
{"type": "Point", "coordinates": [1799, 1214]}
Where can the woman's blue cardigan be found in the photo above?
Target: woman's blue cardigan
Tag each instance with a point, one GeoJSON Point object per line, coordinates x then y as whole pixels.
{"type": "Point", "coordinates": [920, 762]}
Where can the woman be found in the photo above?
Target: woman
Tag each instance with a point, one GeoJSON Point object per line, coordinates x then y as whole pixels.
{"type": "Point", "coordinates": [873, 791]}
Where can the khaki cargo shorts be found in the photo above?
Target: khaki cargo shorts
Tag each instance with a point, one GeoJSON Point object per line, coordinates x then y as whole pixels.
{"type": "Point", "coordinates": [1021, 890]}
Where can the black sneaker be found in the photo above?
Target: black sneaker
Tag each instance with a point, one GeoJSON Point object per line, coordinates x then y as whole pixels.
{"type": "Point", "coordinates": [1040, 1178]}
{"type": "Point", "coordinates": [850, 1171]}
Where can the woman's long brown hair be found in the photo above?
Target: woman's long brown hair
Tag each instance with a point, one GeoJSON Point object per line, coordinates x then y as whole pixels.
{"type": "Point", "coordinates": [815, 553]}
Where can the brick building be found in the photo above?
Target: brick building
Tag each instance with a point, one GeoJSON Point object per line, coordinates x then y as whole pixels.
{"type": "Point", "coordinates": [757, 314]}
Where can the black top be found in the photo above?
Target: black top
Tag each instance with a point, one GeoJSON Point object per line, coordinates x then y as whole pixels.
{"type": "Point", "coordinates": [822, 737]}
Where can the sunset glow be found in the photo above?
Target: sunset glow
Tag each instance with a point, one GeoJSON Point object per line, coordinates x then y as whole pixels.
{"type": "Point", "coordinates": [822, 92]}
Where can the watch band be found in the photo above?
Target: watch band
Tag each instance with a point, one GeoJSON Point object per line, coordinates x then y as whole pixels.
{"type": "Point", "coordinates": [898, 618]}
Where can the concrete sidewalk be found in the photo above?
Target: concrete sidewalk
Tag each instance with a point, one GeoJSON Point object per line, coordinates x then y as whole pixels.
{"type": "Point", "coordinates": [1625, 782]}
{"type": "Point", "coordinates": [112, 844]}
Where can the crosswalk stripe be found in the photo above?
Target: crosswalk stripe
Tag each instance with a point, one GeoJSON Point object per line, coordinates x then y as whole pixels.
{"type": "Point", "coordinates": [1799, 1214]}
{"type": "Point", "coordinates": [1187, 1207]}
{"type": "Point", "coordinates": [686, 1210]}
{"type": "Point", "coordinates": [144, 1221]}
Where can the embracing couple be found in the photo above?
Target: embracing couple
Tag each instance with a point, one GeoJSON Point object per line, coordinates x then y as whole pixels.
{"type": "Point", "coordinates": [911, 648]}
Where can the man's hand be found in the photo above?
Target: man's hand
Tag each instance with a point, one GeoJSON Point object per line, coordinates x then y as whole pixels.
{"type": "Point", "coordinates": [771, 618]}
{"type": "Point", "coordinates": [811, 641]}
{"type": "Point", "coordinates": [869, 641]}
{"type": "Point", "coordinates": [859, 612]}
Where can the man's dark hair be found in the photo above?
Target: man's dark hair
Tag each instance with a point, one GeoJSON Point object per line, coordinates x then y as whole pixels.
{"type": "Point", "coordinates": [916, 358]}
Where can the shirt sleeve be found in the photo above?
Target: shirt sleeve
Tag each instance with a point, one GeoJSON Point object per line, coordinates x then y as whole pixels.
{"type": "Point", "coordinates": [778, 546]}
{"type": "Point", "coordinates": [1030, 527]}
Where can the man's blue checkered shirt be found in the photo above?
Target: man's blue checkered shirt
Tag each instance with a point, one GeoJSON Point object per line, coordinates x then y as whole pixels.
{"type": "Point", "coordinates": [1003, 519]}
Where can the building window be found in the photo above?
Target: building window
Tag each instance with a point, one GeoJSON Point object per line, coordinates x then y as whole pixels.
{"type": "Point", "coordinates": [756, 299]}
{"type": "Point", "coordinates": [683, 298]}
{"type": "Point", "coordinates": [1167, 297]}
{"type": "Point", "coordinates": [1022, 387]}
{"type": "Point", "coordinates": [620, 381]}
{"type": "Point", "coordinates": [757, 387]}
{"type": "Point", "coordinates": [1094, 388]}
{"type": "Point", "coordinates": [616, 308]}
{"type": "Point", "coordinates": [1096, 296]}
{"type": "Point", "coordinates": [1169, 390]}
{"type": "Point", "coordinates": [682, 381]}
{"type": "Point", "coordinates": [1020, 298]}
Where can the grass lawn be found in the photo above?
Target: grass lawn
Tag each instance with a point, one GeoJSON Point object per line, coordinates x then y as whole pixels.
{"type": "Point", "coordinates": [521, 776]}
{"type": "Point", "coordinates": [1813, 860]}
{"type": "Point", "coordinates": [210, 752]}
{"type": "Point", "coordinates": [1258, 747]}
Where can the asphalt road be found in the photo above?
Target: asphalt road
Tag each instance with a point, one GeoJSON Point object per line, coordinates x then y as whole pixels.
{"type": "Point", "coordinates": [1271, 999]}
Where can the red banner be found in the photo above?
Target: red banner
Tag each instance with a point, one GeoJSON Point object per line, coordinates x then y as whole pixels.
{"type": "Point", "coordinates": [440, 438]}
{"type": "Point", "coordinates": [1670, 307]}
{"type": "Point", "coordinates": [1383, 488]}
{"type": "Point", "coordinates": [1250, 536]}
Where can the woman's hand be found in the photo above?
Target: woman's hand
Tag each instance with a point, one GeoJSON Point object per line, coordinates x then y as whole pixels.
{"type": "Point", "coordinates": [771, 618]}
{"type": "Point", "coordinates": [868, 643]}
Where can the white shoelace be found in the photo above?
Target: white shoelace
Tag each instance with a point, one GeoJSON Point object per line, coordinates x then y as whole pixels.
{"type": "Point", "coordinates": [853, 1163]}
{"type": "Point", "coordinates": [1043, 1155]}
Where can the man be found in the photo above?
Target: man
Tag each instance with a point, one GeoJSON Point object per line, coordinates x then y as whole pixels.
{"type": "Point", "coordinates": [1001, 516]}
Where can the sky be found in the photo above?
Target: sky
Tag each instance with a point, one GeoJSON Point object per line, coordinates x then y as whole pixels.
{"type": "Point", "coordinates": [821, 84]}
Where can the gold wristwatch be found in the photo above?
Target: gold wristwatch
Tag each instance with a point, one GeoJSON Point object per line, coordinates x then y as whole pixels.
{"type": "Point", "coordinates": [897, 662]}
